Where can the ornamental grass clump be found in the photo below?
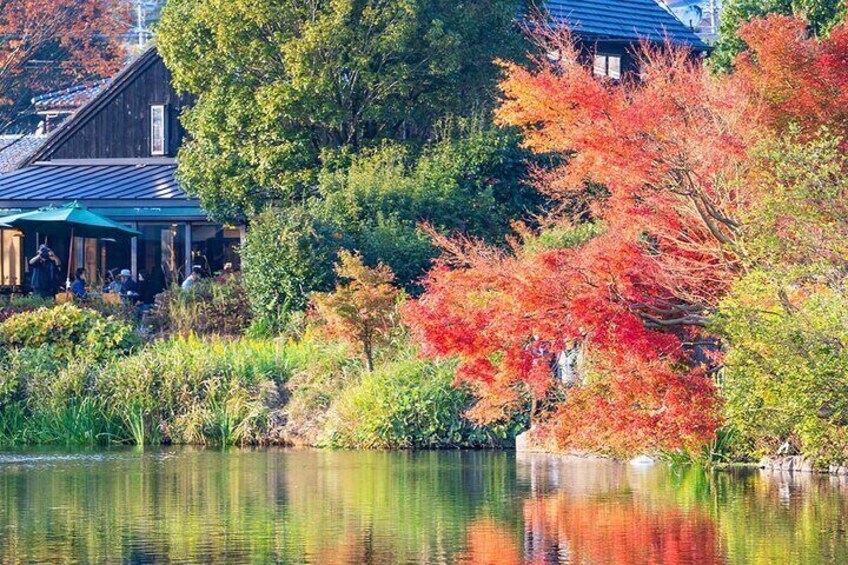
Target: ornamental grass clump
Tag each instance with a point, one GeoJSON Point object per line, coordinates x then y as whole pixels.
{"type": "Point", "coordinates": [200, 391]}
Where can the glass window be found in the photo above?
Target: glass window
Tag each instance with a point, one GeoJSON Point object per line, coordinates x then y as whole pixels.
{"type": "Point", "coordinates": [607, 66]}
{"type": "Point", "coordinates": [160, 256]}
{"type": "Point", "coordinates": [157, 130]}
{"type": "Point", "coordinates": [614, 67]}
{"type": "Point", "coordinates": [600, 65]}
{"type": "Point", "coordinates": [215, 248]}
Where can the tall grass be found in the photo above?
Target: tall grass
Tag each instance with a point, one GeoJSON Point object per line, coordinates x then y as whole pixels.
{"type": "Point", "coordinates": [212, 391]}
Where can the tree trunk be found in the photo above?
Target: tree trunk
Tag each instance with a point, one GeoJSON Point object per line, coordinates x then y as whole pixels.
{"type": "Point", "coordinates": [369, 358]}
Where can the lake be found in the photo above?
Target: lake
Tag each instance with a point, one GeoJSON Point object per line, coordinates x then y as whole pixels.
{"type": "Point", "coordinates": [327, 507]}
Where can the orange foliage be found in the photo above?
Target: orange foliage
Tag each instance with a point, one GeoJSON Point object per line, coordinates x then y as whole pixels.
{"type": "Point", "coordinates": [362, 309]}
{"type": "Point", "coordinates": [800, 79]}
{"type": "Point", "coordinates": [46, 43]}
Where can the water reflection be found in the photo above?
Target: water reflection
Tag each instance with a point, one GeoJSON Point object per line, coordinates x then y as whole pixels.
{"type": "Point", "coordinates": [303, 506]}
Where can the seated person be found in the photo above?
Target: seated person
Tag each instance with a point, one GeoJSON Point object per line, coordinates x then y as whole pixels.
{"type": "Point", "coordinates": [192, 279]}
{"type": "Point", "coordinates": [78, 286]}
{"type": "Point", "coordinates": [126, 286]}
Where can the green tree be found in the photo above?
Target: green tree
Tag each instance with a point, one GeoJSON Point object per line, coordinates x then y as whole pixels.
{"type": "Point", "coordinates": [785, 323]}
{"type": "Point", "coordinates": [474, 183]}
{"type": "Point", "coordinates": [281, 86]}
{"type": "Point", "coordinates": [822, 15]}
{"type": "Point", "coordinates": [285, 256]}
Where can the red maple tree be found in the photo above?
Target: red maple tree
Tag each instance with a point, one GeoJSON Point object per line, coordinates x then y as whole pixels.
{"type": "Point", "coordinates": [672, 147]}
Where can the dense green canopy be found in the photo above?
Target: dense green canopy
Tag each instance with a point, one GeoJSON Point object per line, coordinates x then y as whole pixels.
{"type": "Point", "coordinates": [284, 86]}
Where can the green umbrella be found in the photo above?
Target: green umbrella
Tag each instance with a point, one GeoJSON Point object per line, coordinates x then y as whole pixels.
{"type": "Point", "coordinates": [71, 220]}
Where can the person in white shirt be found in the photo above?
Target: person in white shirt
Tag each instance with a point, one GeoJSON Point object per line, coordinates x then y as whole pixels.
{"type": "Point", "coordinates": [192, 279]}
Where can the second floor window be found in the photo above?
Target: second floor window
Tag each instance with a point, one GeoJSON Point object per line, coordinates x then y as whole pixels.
{"type": "Point", "coordinates": [605, 65]}
{"type": "Point", "coordinates": [158, 135]}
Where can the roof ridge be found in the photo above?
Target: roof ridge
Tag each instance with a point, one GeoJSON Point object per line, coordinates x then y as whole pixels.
{"type": "Point", "coordinates": [70, 125]}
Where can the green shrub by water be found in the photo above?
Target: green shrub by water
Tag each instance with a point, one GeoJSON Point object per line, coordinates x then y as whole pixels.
{"type": "Point", "coordinates": [190, 390]}
{"type": "Point", "coordinates": [405, 404]}
{"type": "Point", "coordinates": [71, 376]}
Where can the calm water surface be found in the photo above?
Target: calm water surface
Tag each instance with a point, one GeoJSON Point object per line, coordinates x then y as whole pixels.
{"type": "Point", "coordinates": [303, 506]}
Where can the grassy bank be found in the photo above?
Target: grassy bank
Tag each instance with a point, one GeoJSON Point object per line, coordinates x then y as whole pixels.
{"type": "Point", "coordinates": [72, 376]}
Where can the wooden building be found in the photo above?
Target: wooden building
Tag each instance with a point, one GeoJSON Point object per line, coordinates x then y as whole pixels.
{"type": "Point", "coordinates": [116, 156]}
{"type": "Point", "coordinates": [611, 30]}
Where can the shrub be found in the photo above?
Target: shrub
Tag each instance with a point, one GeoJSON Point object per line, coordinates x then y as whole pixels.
{"type": "Point", "coordinates": [322, 371]}
{"type": "Point", "coordinates": [363, 309]}
{"type": "Point", "coordinates": [216, 306]}
{"type": "Point", "coordinates": [407, 404]}
{"type": "Point", "coordinates": [785, 374]}
{"type": "Point", "coordinates": [68, 328]}
{"type": "Point", "coordinates": [21, 304]}
{"type": "Point", "coordinates": [285, 257]}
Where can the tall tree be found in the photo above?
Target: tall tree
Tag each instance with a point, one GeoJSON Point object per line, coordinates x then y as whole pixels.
{"type": "Point", "coordinates": [674, 151]}
{"type": "Point", "coordinates": [46, 44]}
{"type": "Point", "coordinates": [282, 85]}
{"type": "Point", "coordinates": [820, 15]}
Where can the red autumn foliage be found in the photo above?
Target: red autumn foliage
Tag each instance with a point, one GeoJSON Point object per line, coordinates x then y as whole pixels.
{"type": "Point", "coordinates": [46, 44]}
{"type": "Point", "coordinates": [673, 149]}
{"type": "Point", "coordinates": [800, 79]}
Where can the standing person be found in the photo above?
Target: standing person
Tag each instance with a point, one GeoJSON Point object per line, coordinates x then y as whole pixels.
{"type": "Point", "coordinates": [192, 279]}
{"type": "Point", "coordinates": [78, 286]}
{"type": "Point", "coordinates": [45, 272]}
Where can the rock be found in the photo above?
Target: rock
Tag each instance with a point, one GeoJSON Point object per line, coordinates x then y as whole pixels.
{"type": "Point", "coordinates": [522, 442]}
{"type": "Point", "coordinates": [642, 460]}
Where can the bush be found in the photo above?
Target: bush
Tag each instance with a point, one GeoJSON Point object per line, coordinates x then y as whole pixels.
{"type": "Point", "coordinates": [284, 258]}
{"type": "Point", "coordinates": [21, 304]}
{"type": "Point", "coordinates": [322, 371]}
{"type": "Point", "coordinates": [67, 329]}
{"type": "Point", "coordinates": [407, 404]}
{"type": "Point", "coordinates": [472, 181]}
{"type": "Point", "coordinates": [216, 306]}
{"type": "Point", "coordinates": [785, 376]}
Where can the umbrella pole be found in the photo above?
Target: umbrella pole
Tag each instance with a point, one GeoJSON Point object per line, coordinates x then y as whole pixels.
{"type": "Point", "coordinates": [70, 256]}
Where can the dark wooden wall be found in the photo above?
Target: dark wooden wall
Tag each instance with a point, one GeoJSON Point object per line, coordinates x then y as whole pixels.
{"type": "Point", "coordinates": [120, 128]}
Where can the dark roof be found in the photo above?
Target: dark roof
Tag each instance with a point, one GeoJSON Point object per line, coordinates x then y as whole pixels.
{"type": "Point", "coordinates": [15, 149]}
{"type": "Point", "coordinates": [95, 179]}
{"type": "Point", "coordinates": [628, 20]}
{"type": "Point", "coordinates": [72, 97]}
{"type": "Point", "coordinates": [101, 99]}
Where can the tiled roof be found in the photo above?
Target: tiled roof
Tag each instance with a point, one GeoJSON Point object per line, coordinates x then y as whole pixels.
{"type": "Point", "coordinates": [629, 20]}
{"type": "Point", "coordinates": [14, 149]}
{"type": "Point", "coordinates": [97, 179]}
{"type": "Point", "coordinates": [72, 97]}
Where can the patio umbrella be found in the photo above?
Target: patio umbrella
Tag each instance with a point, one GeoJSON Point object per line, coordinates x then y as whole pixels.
{"type": "Point", "coordinates": [72, 220]}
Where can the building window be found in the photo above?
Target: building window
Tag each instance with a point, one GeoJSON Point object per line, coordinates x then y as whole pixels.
{"type": "Point", "coordinates": [607, 66]}
{"type": "Point", "coordinates": [158, 133]}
